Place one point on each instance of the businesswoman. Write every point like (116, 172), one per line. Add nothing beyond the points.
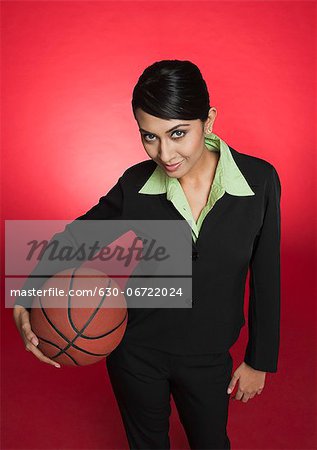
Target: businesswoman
(231, 202)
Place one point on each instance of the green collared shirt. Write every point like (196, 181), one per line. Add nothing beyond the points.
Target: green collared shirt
(228, 178)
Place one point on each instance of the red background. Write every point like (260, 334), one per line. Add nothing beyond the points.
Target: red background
(68, 133)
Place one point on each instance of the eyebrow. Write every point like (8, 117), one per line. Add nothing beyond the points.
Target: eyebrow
(168, 131)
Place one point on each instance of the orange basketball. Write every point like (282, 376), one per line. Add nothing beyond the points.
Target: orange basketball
(77, 330)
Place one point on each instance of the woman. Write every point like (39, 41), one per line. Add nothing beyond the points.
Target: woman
(231, 201)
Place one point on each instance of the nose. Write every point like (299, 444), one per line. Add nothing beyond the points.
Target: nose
(165, 154)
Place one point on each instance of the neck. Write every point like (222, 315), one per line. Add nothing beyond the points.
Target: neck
(203, 171)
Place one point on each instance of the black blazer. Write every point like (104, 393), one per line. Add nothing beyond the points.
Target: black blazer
(238, 233)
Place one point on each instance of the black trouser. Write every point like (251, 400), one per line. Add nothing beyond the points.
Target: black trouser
(142, 380)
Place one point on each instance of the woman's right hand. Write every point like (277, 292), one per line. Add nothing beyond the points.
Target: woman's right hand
(22, 320)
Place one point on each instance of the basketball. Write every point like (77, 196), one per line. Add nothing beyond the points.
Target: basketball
(74, 330)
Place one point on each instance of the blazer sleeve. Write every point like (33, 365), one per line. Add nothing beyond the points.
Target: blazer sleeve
(264, 285)
(109, 207)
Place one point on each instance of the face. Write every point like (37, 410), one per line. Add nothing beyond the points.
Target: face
(175, 145)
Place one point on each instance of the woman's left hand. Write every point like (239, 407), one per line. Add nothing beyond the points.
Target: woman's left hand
(251, 382)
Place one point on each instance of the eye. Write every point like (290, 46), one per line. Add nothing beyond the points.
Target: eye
(146, 137)
(179, 131)
(149, 137)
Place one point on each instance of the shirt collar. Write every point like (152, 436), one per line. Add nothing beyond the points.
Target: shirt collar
(228, 175)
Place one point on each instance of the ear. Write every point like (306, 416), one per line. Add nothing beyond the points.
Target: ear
(208, 125)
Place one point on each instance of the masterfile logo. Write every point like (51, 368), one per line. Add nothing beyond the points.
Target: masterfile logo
(153, 257)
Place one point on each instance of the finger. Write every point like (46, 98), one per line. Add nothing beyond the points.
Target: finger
(19, 309)
(245, 398)
(28, 333)
(232, 384)
(259, 391)
(239, 394)
(30, 347)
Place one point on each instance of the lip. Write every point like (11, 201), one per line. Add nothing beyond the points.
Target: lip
(172, 167)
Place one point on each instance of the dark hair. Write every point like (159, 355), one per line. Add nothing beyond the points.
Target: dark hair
(172, 89)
